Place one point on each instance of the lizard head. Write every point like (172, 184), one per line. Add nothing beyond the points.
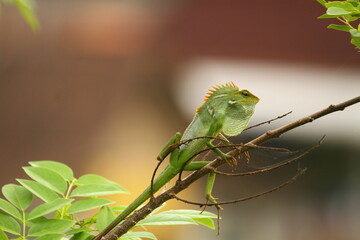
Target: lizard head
(234, 106)
(229, 95)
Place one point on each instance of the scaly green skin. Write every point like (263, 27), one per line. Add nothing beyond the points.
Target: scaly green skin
(226, 109)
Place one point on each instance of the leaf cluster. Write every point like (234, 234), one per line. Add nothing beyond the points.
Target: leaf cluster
(348, 13)
(61, 197)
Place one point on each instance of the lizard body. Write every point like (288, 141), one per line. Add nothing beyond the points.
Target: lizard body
(226, 109)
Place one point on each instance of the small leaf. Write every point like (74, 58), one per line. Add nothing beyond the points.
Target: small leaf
(47, 178)
(356, 41)
(191, 213)
(207, 222)
(26, 8)
(50, 226)
(132, 235)
(203, 218)
(104, 218)
(78, 230)
(95, 190)
(17, 195)
(3, 236)
(322, 2)
(42, 192)
(339, 27)
(118, 208)
(9, 209)
(166, 219)
(8, 224)
(62, 169)
(82, 236)
(51, 236)
(46, 208)
(341, 4)
(87, 204)
(90, 179)
(336, 11)
(355, 33)
(324, 16)
(36, 220)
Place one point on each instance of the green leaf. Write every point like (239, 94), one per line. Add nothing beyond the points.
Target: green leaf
(46, 208)
(9, 209)
(166, 219)
(104, 218)
(42, 192)
(132, 235)
(17, 195)
(62, 169)
(90, 179)
(78, 230)
(355, 33)
(352, 18)
(191, 213)
(322, 2)
(50, 226)
(26, 8)
(3, 236)
(356, 41)
(82, 236)
(51, 236)
(95, 190)
(325, 16)
(36, 220)
(341, 4)
(207, 222)
(118, 208)
(344, 28)
(47, 178)
(336, 11)
(8, 224)
(204, 218)
(87, 204)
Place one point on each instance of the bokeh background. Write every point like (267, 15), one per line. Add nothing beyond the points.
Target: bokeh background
(105, 84)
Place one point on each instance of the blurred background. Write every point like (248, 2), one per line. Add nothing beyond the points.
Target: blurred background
(104, 84)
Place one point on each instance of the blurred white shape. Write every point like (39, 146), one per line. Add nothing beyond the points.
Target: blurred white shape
(281, 87)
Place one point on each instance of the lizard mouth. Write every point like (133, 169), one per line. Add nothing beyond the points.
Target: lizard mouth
(250, 101)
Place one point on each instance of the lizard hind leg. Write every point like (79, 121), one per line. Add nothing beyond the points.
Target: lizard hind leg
(208, 191)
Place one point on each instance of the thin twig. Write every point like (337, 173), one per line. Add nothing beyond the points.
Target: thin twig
(234, 154)
(293, 179)
(268, 122)
(274, 166)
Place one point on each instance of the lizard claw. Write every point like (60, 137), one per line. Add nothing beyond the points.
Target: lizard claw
(211, 199)
(231, 160)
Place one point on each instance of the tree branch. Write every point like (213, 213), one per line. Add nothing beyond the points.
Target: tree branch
(155, 202)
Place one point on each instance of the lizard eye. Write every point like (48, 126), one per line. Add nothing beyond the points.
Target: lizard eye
(245, 94)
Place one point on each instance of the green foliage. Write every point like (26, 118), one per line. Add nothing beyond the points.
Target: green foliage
(27, 11)
(63, 196)
(348, 13)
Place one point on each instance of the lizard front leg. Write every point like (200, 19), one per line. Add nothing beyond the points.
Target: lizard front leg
(228, 158)
(169, 147)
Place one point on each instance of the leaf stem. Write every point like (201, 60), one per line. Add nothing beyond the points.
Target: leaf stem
(23, 225)
(67, 195)
(345, 21)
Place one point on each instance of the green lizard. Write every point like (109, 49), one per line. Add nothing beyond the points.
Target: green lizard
(226, 110)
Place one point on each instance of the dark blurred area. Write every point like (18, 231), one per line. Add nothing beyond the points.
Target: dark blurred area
(101, 87)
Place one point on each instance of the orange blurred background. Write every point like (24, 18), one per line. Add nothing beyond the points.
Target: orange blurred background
(105, 84)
